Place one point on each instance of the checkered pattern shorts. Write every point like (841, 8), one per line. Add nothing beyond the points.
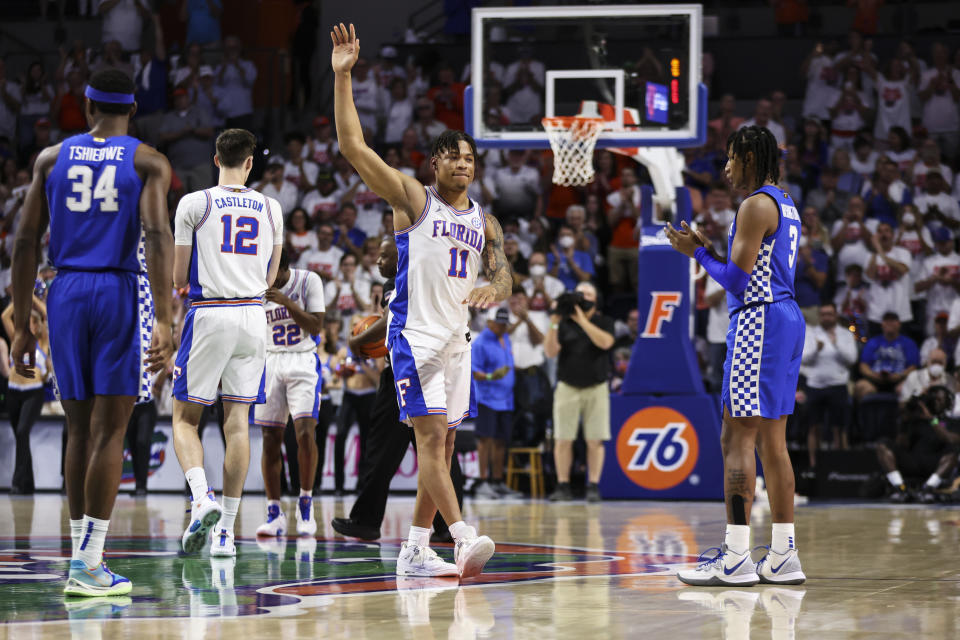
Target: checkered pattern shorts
(764, 346)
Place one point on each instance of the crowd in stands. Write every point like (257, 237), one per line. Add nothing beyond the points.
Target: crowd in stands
(870, 158)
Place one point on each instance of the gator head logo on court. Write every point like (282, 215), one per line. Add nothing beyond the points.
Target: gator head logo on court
(657, 448)
(662, 306)
(282, 578)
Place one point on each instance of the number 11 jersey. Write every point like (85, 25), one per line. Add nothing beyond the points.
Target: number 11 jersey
(233, 231)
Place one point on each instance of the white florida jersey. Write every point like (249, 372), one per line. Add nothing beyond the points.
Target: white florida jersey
(304, 288)
(233, 231)
(438, 265)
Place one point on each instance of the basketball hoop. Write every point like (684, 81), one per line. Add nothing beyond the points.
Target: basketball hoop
(572, 139)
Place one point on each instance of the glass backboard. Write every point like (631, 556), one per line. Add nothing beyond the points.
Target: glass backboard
(531, 62)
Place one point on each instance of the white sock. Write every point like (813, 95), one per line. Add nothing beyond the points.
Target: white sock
(230, 508)
(934, 480)
(737, 538)
(461, 529)
(76, 531)
(895, 478)
(418, 536)
(94, 533)
(306, 493)
(197, 480)
(782, 539)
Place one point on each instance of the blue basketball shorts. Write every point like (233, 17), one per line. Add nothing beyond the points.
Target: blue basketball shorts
(95, 335)
(432, 381)
(764, 347)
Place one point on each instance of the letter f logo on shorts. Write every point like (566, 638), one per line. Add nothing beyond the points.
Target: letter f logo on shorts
(661, 310)
(402, 386)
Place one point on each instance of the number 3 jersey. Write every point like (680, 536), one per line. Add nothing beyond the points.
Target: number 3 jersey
(438, 264)
(284, 335)
(233, 231)
(774, 272)
(93, 227)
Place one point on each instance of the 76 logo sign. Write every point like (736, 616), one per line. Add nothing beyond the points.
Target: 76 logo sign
(660, 448)
(657, 448)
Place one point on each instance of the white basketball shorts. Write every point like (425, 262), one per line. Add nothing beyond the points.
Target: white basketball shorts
(294, 381)
(432, 382)
(221, 343)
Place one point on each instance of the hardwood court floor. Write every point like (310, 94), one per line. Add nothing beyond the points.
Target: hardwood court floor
(561, 571)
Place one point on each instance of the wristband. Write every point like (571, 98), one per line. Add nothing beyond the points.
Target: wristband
(728, 275)
(489, 376)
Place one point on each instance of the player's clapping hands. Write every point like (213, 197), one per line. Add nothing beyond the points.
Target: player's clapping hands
(686, 240)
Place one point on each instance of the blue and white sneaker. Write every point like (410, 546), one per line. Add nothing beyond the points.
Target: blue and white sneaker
(276, 524)
(726, 569)
(205, 513)
(221, 544)
(306, 525)
(99, 581)
(780, 568)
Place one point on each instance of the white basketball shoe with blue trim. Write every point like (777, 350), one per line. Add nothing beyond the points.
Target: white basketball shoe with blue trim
(221, 544)
(423, 562)
(306, 525)
(781, 568)
(725, 569)
(276, 524)
(205, 513)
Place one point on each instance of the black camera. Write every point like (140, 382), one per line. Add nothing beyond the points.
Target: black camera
(567, 302)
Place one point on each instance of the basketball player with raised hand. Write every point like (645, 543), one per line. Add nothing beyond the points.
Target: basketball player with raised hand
(295, 309)
(100, 192)
(443, 241)
(228, 243)
(764, 346)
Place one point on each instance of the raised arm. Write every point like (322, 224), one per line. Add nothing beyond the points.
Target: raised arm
(405, 194)
(34, 217)
(158, 243)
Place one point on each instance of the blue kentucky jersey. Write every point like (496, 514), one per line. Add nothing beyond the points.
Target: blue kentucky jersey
(773, 273)
(93, 194)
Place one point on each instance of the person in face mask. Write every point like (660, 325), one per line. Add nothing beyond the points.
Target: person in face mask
(933, 375)
(848, 237)
(568, 264)
(541, 287)
(940, 277)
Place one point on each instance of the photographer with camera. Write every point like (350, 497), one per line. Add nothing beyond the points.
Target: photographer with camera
(582, 338)
(924, 443)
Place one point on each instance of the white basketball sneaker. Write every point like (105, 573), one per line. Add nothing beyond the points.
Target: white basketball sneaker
(423, 562)
(471, 553)
(306, 525)
(276, 524)
(204, 515)
(222, 545)
(781, 568)
(726, 569)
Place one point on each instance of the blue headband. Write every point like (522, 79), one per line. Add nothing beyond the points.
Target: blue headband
(105, 96)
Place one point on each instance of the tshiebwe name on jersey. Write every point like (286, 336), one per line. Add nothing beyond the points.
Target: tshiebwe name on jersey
(96, 154)
(459, 232)
(238, 201)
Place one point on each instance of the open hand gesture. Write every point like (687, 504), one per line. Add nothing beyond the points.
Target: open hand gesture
(346, 48)
(686, 240)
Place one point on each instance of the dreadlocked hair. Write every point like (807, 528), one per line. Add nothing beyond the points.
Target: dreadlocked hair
(766, 155)
(449, 140)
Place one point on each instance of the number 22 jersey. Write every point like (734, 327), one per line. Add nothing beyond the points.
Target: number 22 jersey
(284, 335)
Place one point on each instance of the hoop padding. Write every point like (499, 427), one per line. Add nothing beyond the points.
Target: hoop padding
(573, 140)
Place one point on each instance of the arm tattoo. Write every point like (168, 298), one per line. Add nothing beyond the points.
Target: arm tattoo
(495, 265)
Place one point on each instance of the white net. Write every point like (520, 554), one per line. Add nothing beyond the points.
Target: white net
(572, 140)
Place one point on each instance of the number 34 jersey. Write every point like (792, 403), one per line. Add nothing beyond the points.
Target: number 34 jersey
(284, 335)
(772, 279)
(93, 193)
(232, 230)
